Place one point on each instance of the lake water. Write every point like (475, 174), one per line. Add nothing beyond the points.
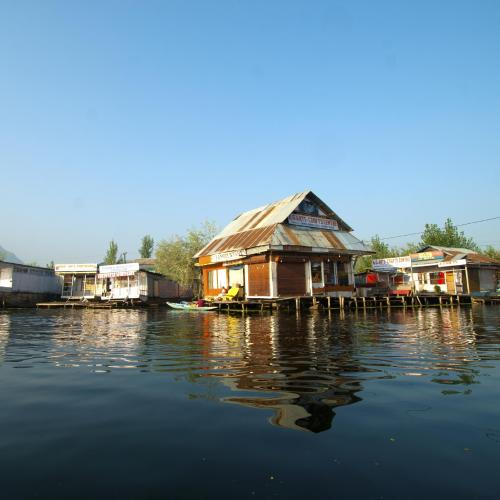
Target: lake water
(162, 404)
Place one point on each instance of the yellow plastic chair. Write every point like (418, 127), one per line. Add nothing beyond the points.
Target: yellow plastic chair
(232, 293)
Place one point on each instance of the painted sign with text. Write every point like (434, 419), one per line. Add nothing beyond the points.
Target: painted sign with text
(225, 256)
(310, 221)
(391, 263)
(75, 268)
(427, 256)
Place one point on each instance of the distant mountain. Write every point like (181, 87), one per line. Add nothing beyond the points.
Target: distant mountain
(9, 256)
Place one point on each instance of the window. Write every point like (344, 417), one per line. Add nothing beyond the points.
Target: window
(308, 208)
(217, 278)
(330, 273)
(236, 276)
(90, 284)
(221, 278)
(343, 269)
(400, 279)
(436, 278)
(316, 273)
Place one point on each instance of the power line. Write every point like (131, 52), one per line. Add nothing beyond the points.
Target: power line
(457, 225)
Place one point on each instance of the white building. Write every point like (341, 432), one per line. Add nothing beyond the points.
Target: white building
(130, 281)
(21, 284)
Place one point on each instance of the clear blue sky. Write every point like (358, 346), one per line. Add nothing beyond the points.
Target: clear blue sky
(122, 118)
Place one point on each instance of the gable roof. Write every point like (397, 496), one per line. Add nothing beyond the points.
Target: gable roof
(277, 213)
(266, 226)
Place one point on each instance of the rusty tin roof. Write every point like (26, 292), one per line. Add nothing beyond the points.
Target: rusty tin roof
(266, 226)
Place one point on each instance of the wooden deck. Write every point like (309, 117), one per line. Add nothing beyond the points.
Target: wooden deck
(352, 303)
(298, 303)
(90, 304)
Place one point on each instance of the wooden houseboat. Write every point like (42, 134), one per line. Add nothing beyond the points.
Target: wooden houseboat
(294, 247)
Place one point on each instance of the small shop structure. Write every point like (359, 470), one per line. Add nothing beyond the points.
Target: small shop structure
(294, 247)
(131, 281)
(439, 269)
(118, 282)
(23, 285)
(79, 281)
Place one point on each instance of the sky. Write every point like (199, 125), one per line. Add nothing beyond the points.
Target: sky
(125, 118)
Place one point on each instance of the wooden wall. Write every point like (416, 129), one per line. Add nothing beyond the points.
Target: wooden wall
(258, 280)
(291, 278)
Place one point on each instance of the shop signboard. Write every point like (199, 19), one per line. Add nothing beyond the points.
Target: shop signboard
(225, 256)
(453, 263)
(115, 270)
(75, 268)
(391, 263)
(310, 221)
(426, 258)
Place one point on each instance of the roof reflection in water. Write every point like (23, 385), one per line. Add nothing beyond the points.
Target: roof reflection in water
(303, 367)
(286, 364)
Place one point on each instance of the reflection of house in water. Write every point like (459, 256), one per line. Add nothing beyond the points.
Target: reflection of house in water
(4, 334)
(100, 340)
(286, 362)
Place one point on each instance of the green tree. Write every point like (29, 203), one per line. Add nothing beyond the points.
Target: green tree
(492, 252)
(111, 256)
(448, 236)
(51, 265)
(174, 256)
(147, 245)
(381, 249)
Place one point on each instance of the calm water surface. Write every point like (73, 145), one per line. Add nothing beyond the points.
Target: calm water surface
(175, 405)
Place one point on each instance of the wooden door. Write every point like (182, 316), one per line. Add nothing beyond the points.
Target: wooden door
(258, 280)
(291, 279)
(450, 282)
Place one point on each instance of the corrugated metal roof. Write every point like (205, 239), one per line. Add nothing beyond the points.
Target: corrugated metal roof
(289, 236)
(447, 249)
(264, 217)
(239, 241)
(268, 215)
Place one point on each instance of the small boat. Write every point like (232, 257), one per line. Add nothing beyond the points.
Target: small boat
(186, 306)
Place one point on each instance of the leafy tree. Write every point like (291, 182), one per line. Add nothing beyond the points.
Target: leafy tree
(147, 245)
(51, 265)
(2, 255)
(449, 236)
(492, 252)
(111, 256)
(174, 256)
(381, 249)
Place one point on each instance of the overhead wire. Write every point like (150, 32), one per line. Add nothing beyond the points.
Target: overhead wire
(456, 225)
